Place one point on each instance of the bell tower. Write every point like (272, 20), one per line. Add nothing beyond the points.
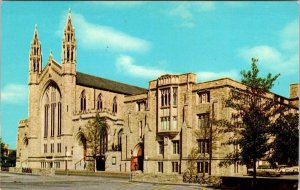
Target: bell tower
(35, 58)
(69, 48)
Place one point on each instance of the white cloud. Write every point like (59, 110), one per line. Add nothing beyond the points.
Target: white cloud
(203, 76)
(126, 64)
(264, 53)
(14, 94)
(98, 37)
(290, 36)
(205, 6)
(283, 59)
(182, 10)
(271, 58)
(185, 11)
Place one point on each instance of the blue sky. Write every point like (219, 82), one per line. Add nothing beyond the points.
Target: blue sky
(135, 42)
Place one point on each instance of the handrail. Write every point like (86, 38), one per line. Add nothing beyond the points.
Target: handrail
(79, 162)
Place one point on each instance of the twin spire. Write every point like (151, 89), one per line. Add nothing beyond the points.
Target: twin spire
(68, 48)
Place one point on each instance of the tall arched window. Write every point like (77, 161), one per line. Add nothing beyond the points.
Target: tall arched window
(51, 103)
(99, 102)
(115, 105)
(82, 101)
(46, 113)
(103, 142)
(120, 139)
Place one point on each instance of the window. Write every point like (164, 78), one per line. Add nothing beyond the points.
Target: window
(45, 148)
(140, 106)
(203, 145)
(165, 97)
(165, 123)
(99, 102)
(46, 113)
(161, 147)
(57, 164)
(58, 147)
(202, 167)
(82, 101)
(203, 121)
(52, 121)
(115, 105)
(175, 96)
(59, 120)
(161, 167)
(204, 97)
(103, 142)
(114, 162)
(175, 166)
(120, 139)
(175, 147)
(140, 129)
(52, 147)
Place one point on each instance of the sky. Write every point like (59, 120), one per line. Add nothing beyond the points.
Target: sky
(135, 42)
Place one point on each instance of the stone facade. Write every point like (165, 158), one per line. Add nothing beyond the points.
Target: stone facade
(154, 129)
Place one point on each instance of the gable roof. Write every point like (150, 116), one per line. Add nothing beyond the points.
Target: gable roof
(105, 84)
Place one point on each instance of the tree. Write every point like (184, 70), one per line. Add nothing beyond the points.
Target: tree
(8, 157)
(90, 137)
(285, 146)
(253, 116)
(3, 153)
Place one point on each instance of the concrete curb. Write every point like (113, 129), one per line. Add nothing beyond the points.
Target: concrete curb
(165, 183)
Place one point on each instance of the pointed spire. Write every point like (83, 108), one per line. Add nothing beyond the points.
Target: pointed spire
(69, 21)
(35, 35)
(50, 55)
(69, 13)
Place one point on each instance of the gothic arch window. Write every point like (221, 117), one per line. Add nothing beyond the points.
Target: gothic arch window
(120, 139)
(46, 115)
(99, 103)
(115, 105)
(83, 101)
(103, 142)
(51, 110)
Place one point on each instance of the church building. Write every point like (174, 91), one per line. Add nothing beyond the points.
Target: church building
(152, 130)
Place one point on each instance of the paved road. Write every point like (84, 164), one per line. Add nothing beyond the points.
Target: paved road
(13, 181)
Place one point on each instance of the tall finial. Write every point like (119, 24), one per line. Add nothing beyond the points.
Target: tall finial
(51, 55)
(35, 34)
(69, 13)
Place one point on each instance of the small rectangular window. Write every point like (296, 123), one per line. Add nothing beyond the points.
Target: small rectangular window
(114, 162)
(203, 145)
(204, 97)
(203, 121)
(175, 95)
(175, 147)
(160, 147)
(202, 167)
(161, 167)
(175, 166)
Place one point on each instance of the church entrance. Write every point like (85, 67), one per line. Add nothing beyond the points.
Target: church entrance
(137, 159)
(100, 163)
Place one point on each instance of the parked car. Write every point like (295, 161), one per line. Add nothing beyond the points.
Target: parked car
(283, 169)
(288, 170)
(264, 170)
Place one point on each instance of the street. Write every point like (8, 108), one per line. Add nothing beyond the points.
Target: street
(14, 181)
